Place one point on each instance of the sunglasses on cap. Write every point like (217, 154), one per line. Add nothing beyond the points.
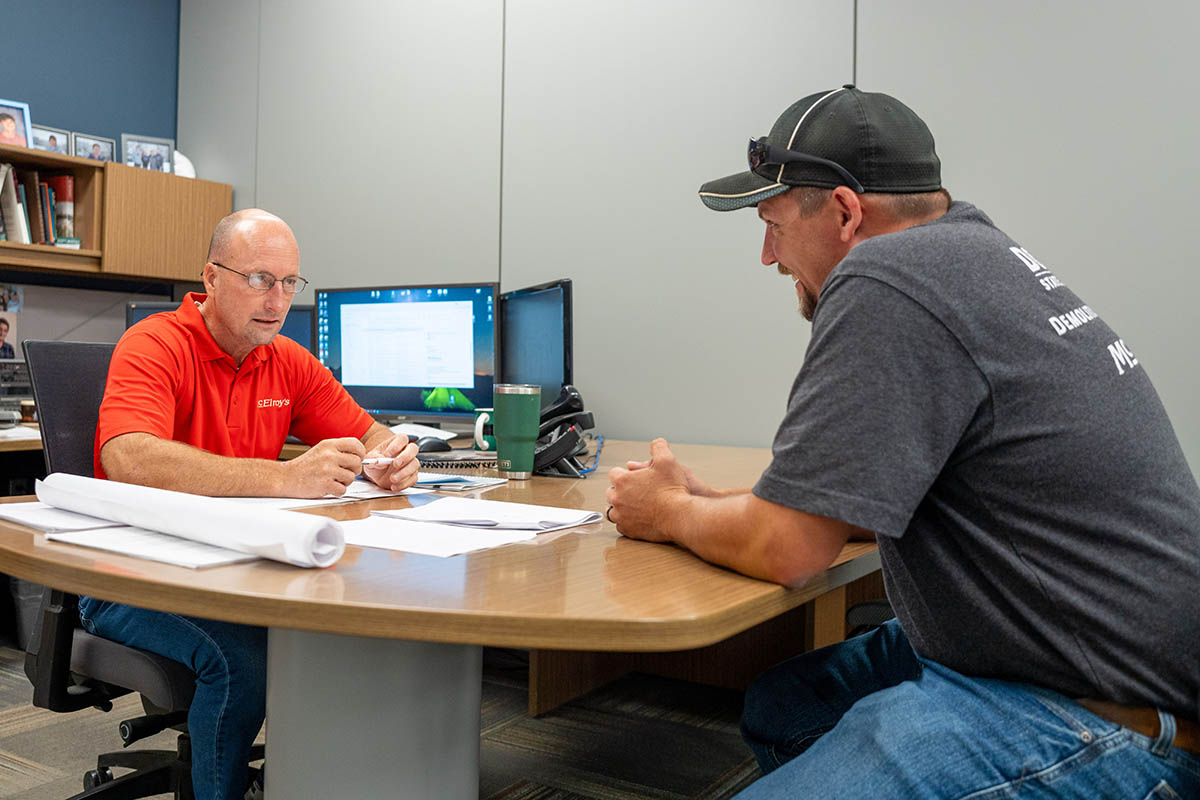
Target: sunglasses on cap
(760, 153)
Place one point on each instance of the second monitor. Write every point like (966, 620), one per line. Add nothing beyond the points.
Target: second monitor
(535, 337)
(297, 325)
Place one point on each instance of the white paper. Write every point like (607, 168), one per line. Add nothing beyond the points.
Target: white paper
(283, 502)
(495, 515)
(50, 519)
(458, 482)
(427, 538)
(19, 432)
(301, 539)
(364, 489)
(359, 490)
(420, 431)
(153, 545)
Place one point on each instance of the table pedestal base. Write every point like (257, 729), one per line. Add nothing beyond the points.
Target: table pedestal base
(350, 716)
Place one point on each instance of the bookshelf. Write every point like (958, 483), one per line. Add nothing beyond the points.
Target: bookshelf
(131, 222)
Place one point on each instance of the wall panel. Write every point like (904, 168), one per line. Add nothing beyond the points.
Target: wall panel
(218, 92)
(379, 137)
(615, 113)
(1073, 127)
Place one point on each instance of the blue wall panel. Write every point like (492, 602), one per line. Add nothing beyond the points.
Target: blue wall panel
(104, 68)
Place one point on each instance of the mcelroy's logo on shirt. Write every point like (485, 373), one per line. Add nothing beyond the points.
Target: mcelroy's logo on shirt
(268, 402)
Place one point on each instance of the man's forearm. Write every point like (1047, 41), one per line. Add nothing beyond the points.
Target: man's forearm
(754, 536)
(147, 460)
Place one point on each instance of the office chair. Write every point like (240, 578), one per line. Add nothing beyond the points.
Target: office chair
(70, 668)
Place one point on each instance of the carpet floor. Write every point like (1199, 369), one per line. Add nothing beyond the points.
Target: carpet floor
(638, 737)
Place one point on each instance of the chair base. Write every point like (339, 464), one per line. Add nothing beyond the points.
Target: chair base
(154, 772)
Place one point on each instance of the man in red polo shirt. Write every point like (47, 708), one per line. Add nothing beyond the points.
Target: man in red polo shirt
(201, 400)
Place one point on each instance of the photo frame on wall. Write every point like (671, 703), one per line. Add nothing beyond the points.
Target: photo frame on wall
(52, 140)
(148, 152)
(97, 148)
(16, 128)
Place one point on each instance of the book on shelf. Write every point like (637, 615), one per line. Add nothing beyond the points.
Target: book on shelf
(47, 211)
(33, 206)
(67, 242)
(63, 187)
(10, 206)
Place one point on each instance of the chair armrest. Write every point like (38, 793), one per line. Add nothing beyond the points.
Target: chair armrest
(48, 657)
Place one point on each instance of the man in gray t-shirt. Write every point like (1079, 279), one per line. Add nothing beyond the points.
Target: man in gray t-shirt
(1038, 525)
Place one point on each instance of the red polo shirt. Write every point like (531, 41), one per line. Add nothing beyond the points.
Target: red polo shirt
(169, 378)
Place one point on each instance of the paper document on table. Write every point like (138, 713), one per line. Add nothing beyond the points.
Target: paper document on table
(363, 489)
(495, 514)
(283, 502)
(421, 431)
(19, 432)
(51, 519)
(427, 538)
(360, 489)
(446, 482)
(301, 539)
(153, 545)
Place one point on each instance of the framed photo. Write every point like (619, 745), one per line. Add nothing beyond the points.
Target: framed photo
(147, 152)
(9, 342)
(97, 148)
(15, 127)
(52, 140)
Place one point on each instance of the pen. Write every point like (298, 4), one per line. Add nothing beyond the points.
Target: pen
(382, 460)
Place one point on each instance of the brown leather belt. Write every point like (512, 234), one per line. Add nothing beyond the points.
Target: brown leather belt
(1144, 720)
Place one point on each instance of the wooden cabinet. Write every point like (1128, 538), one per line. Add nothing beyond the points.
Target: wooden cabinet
(131, 222)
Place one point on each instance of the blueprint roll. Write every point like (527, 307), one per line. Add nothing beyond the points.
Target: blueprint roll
(301, 539)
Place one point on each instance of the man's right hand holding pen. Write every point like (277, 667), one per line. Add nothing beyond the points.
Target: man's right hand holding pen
(329, 466)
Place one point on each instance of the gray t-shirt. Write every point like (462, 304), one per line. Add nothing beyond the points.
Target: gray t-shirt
(1037, 520)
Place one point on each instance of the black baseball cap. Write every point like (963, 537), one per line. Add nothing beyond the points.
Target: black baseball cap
(868, 141)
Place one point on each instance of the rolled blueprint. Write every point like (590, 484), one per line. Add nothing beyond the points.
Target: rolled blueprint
(301, 539)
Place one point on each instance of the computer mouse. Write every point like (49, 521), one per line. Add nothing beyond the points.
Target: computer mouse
(432, 444)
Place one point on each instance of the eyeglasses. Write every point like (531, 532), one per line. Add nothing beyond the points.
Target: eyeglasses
(761, 153)
(265, 281)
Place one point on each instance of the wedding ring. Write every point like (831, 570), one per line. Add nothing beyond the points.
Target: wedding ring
(606, 515)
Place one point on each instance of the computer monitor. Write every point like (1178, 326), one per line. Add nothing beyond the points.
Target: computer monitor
(297, 326)
(425, 351)
(535, 337)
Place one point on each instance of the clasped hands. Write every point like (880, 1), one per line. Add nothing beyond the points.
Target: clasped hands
(331, 465)
(645, 497)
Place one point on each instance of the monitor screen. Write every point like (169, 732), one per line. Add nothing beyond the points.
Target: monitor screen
(297, 326)
(411, 351)
(535, 336)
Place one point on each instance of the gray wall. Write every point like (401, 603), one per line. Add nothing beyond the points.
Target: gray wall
(614, 114)
(534, 139)
(1077, 134)
(81, 315)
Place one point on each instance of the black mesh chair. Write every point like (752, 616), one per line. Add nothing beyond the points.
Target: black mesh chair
(70, 668)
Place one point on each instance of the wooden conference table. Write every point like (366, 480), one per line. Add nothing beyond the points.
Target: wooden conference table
(374, 664)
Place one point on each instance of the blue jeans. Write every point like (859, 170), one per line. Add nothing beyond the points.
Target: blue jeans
(230, 664)
(870, 718)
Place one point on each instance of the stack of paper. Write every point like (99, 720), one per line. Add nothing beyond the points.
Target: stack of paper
(453, 525)
(493, 514)
(426, 538)
(20, 432)
(446, 482)
(50, 519)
